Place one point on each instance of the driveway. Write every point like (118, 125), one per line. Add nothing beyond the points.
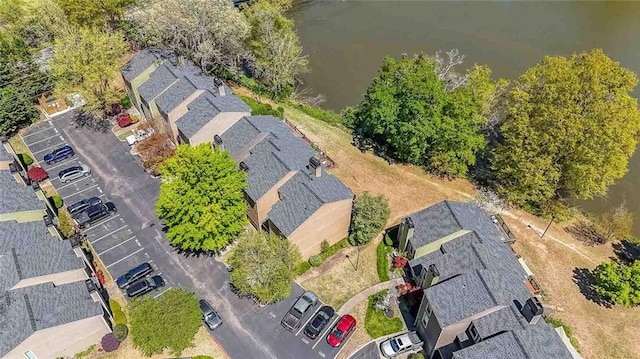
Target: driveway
(135, 235)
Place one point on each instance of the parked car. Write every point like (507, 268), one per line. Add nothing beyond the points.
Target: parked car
(341, 330)
(144, 285)
(319, 321)
(139, 135)
(209, 315)
(291, 320)
(59, 154)
(134, 274)
(124, 120)
(95, 213)
(71, 173)
(82, 205)
(400, 344)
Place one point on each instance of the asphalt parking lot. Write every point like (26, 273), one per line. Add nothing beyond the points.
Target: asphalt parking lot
(114, 240)
(134, 235)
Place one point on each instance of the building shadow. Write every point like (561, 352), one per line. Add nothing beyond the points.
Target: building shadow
(584, 279)
(409, 305)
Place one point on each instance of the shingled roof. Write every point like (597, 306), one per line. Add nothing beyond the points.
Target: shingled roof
(27, 250)
(15, 197)
(4, 155)
(139, 63)
(26, 310)
(204, 108)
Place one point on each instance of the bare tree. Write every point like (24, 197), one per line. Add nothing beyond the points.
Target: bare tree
(489, 201)
(445, 69)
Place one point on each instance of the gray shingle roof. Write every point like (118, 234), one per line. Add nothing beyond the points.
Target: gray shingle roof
(26, 310)
(187, 85)
(447, 217)
(500, 347)
(159, 80)
(505, 319)
(15, 197)
(4, 155)
(204, 108)
(27, 250)
(139, 63)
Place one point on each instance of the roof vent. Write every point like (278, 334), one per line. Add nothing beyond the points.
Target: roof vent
(316, 165)
(217, 82)
(35, 185)
(4, 139)
(243, 166)
(13, 167)
(532, 310)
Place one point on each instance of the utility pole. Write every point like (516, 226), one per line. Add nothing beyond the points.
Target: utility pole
(548, 225)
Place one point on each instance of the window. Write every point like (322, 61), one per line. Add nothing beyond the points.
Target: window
(474, 333)
(30, 355)
(427, 313)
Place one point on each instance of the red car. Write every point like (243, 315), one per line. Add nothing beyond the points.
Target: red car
(124, 120)
(341, 331)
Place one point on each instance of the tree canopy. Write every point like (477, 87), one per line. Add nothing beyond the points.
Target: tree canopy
(201, 198)
(95, 13)
(618, 282)
(86, 60)
(420, 111)
(170, 321)
(370, 215)
(263, 266)
(275, 46)
(570, 128)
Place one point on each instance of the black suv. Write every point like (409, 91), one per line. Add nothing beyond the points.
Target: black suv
(95, 213)
(144, 285)
(319, 321)
(134, 274)
(80, 206)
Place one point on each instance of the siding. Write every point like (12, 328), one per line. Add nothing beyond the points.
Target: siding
(56, 278)
(216, 126)
(178, 112)
(435, 245)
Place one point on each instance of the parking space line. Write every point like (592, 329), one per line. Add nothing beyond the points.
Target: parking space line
(310, 317)
(94, 226)
(46, 139)
(345, 341)
(108, 234)
(73, 182)
(117, 245)
(86, 189)
(121, 259)
(33, 133)
(325, 331)
(161, 293)
(52, 147)
(64, 162)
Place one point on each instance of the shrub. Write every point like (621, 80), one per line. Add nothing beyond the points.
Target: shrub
(85, 353)
(121, 332)
(321, 114)
(302, 267)
(324, 246)
(315, 260)
(382, 263)
(555, 322)
(619, 283)
(376, 322)
(259, 108)
(26, 159)
(110, 342)
(416, 356)
(388, 241)
(370, 215)
(135, 119)
(202, 357)
(126, 102)
(65, 224)
(118, 315)
(57, 201)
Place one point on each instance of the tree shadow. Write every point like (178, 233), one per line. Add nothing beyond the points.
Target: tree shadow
(626, 252)
(92, 122)
(585, 232)
(584, 279)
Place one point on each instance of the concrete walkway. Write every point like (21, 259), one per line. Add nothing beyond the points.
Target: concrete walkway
(356, 299)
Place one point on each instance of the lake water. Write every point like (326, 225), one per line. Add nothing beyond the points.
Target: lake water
(347, 40)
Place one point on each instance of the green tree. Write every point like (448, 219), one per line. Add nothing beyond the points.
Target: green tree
(95, 13)
(275, 46)
(570, 128)
(263, 266)
(86, 61)
(212, 33)
(615, 224)
(170, 321)
(36, 22)
(201, 198)
(618, 282)
(420, 111)
(370, 215)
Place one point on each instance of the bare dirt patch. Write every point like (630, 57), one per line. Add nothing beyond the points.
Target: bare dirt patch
(360, 336)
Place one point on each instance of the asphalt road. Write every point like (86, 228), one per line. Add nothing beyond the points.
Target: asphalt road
(134, 235)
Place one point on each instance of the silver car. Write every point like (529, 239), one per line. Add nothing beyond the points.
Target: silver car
(71, 173)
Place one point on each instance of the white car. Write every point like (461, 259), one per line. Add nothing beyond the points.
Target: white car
(71, 173)
(403, 343)
(139, 135)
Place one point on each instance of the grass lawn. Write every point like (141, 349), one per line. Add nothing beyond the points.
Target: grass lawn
(555, 259)
(123, 136)
(376, 322)
(18, 145)
(382, 261)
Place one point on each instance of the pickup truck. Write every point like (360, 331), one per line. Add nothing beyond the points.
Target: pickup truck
(400, 344)
(291, 321)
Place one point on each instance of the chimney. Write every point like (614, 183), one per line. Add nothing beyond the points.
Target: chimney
(221, 91)
(532, 310)
(217, 142)
(431, 277)
(243, 166)
(314, 164)
(405, 232)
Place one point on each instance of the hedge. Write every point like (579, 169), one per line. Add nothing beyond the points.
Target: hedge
(382, 261)
(121, 332)
(327, 251)
(26, 159)
(259, 108)
(57, 201)
(302, 267)
(118, 315)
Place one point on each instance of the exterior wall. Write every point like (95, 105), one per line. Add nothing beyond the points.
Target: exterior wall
(264, 204)
(25, 216)
(330, 222)
(62, 341)
(139, 80)
(430, 332)
(450, 332)
(175, 114)
(216, 126)
(252, 213)
(435, 245)
(56, 278)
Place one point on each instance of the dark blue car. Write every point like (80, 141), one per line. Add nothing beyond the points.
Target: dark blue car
(59, 154)
(134, 274)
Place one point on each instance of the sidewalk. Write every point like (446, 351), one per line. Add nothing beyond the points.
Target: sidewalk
(356, 299)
